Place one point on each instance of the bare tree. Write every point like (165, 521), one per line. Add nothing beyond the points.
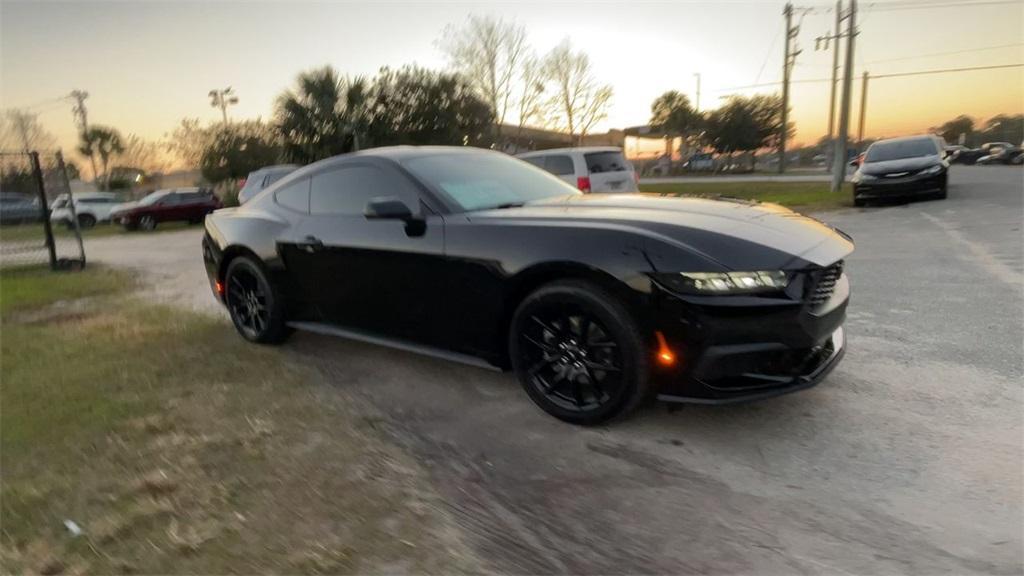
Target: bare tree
(143, 155)
(577, 102)
(487, 52)
(530, 104)
(21, 130)
(188, 141)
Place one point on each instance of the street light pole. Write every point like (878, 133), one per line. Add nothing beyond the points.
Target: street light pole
(788, 13)
(221, 98)
(863, 108)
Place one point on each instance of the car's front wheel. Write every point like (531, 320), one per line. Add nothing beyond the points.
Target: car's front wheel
(147, 223)
(86, 220)
(256, 308)
(579, 353)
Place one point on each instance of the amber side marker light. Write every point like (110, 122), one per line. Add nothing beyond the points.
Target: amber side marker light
(665, 355)
(219, 288)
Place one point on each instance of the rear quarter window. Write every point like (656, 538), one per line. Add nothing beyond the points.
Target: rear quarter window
(559, 165)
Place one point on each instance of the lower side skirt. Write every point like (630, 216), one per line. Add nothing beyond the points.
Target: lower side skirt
(331, 330)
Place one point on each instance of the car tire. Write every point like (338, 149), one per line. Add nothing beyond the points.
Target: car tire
(86, 220)
(560, 338)
(147, 223)
(255, 305)
(860, 202)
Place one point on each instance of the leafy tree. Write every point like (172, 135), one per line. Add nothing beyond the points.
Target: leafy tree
(311, 118)
(1004, 128)
(417, 106)
(673, 114)
(237, 149)
(951, 131)
(578, 102)
(104, 141)
(745, 124)
(143, 155)
(487, 52)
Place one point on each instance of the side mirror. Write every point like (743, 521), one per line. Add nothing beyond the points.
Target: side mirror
(387, 208)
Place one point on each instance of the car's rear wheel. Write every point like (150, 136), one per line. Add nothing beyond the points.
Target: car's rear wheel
(147, 223)
(579, 353)
(86, 220)
(255, 306)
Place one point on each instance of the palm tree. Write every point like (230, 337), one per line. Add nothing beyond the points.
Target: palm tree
(310, 117)
(324, 116)
(103, 141)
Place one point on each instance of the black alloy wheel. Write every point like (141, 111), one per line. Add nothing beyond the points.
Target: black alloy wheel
(578, 353)
(254, 306)
(147, 222)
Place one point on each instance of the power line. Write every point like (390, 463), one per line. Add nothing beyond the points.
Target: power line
(952, 52)
(894, 75)
(944, 70)
(891, 7)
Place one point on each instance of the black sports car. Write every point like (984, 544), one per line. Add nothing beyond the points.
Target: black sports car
(594, 300)
(902, 168)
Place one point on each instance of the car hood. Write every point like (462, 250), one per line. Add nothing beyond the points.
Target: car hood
(901, 165)
(735, 234)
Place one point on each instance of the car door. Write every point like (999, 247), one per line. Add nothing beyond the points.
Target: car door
(561, 165)
(167, 208)
(376, 276)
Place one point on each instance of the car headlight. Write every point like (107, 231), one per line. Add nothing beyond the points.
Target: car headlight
(720, 283)
(864, 177)
(933, 170)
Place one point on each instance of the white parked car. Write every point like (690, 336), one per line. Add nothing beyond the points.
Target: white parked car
(260, 179)
(91, 207)
(597, 169)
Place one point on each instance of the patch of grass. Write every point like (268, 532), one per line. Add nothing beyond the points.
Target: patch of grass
(806, 195)
(26, 288)
(177, 447)
(32, 232)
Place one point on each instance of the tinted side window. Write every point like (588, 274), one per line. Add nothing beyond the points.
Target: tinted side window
(537, 161)
(559, 165)
(170, 200)
(271, 178)
(346, 190)
(294, 196)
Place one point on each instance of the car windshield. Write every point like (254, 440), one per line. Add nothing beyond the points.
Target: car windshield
(900, 149)
(486, 180)
(153, 198)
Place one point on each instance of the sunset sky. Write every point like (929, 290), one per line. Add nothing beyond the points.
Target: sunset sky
(148, 65)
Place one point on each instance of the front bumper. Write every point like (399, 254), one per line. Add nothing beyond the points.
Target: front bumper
(813, 367)
(880, 188)
(735, 350)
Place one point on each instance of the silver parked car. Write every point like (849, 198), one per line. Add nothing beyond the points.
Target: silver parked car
(262, 178)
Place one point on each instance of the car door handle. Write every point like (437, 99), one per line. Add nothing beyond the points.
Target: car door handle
(310, 244)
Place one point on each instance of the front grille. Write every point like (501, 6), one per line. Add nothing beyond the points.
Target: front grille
(825, 284)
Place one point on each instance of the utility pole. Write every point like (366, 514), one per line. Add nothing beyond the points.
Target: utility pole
(839, 162)
(83, 122)
(222, 99)
(835, 69)
(697, 103)
(790, 56)
(863, 108)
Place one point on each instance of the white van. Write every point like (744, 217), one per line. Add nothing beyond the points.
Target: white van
(597, 169)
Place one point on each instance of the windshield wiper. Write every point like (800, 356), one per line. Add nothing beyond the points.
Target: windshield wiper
(509, 205)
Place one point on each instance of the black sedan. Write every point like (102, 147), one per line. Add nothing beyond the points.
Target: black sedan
(901, 168)
(595, 301)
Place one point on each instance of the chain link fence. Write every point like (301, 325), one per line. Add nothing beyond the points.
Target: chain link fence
(30, 183)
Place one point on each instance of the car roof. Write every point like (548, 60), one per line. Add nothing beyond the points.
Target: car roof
(575, 149)
(906, 138)
(275, 168)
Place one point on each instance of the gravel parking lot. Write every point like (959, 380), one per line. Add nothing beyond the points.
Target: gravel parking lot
(907, 459)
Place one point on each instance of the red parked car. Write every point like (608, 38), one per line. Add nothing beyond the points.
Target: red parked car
(179, 204)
